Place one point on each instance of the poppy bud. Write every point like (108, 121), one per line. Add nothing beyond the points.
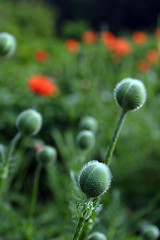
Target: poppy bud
(7, 44)
(95, 178)
(130, 94)
(29, 122)
(85, 139)
(97, 236)
(89, 123)
(150, 232)
(46, 155)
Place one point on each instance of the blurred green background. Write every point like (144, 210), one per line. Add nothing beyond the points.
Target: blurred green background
(86, 75)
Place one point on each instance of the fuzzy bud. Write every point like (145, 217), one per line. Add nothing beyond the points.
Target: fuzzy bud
(95, 178)
(7, 44)
(89, 123)
(85, 139)
(150, 232)
(29, 122)
(97, 236)
(46, 155)
(130, 94)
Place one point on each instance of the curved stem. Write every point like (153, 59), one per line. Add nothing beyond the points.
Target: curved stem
(4, 170)
(34, 192)
(115, 137)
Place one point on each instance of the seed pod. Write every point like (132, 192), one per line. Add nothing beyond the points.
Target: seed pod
(7, 44)
(130, 94)
(95, 178)
(29, 122)
(89, 123)
(46, 155)
(85, 139)
(97, 236)
(150, 232)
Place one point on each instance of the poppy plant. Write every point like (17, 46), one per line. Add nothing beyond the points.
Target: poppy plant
(157, 33)
(89, 37)
(72, 45)
(139, 38)
(41, 56)
(43, 86)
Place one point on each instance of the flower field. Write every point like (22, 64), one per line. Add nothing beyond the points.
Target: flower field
(60, 130)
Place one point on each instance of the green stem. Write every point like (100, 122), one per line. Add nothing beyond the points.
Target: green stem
(115, 137)
(34, 192)
(79, 228)
(4, 173)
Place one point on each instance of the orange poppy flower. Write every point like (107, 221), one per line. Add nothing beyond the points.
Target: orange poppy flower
(89, 37)
(152, 56)
(43, 86)
(144, 66)
(139, 38)
(72, 45)
(120, 46)
(41, 56)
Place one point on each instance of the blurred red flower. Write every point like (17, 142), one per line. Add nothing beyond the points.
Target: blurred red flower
(72, 45)
(107, 38)
(41, 56)
(144, 66)
(139, 38)
(152, 56)
(119, 46)
(89, 37)
(43, 86)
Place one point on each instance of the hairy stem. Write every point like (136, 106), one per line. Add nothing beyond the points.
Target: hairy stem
(79, 228)
(114, 138)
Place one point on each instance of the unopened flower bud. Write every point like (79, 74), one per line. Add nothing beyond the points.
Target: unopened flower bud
(46, 155)
(150, 232)
(7, 44)
(130, 94)
(95, 178)
(89, 123)
(29, 122)
(85, 139)
(97, 236)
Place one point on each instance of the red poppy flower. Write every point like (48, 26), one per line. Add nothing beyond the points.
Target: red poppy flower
(152, 56)
(41, 56)
(139, 38)
(89, 37)
(119, 46)
(144, 66)
(43, 86)
(72, 45)
(107, 38)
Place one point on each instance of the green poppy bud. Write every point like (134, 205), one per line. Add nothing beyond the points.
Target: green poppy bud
(29, 122)
(7, 44)
(85, 139)
(95, 178)
(46, 154)
(89, 123)
(97, 236)
(150, 232)
(130, 94)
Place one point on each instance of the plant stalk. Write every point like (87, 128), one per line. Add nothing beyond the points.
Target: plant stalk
(34, 192)
(114, 138)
